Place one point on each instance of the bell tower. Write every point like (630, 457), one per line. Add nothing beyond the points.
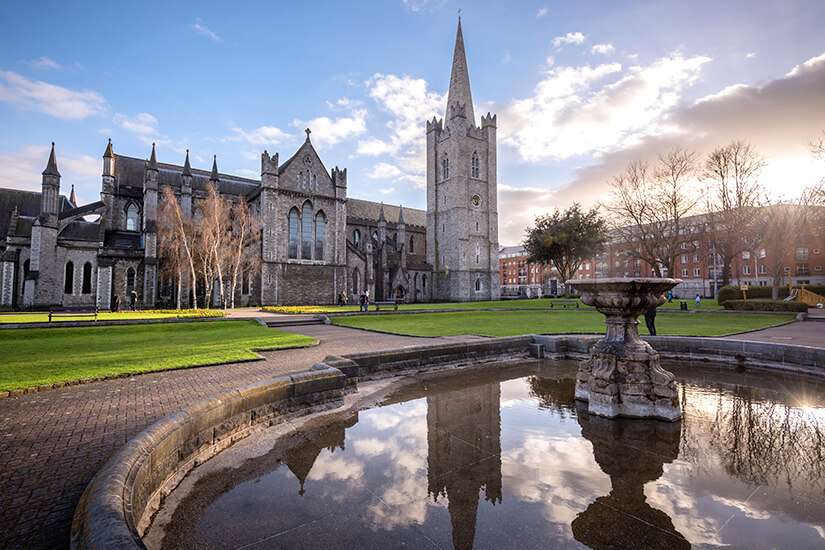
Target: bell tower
(462, 208)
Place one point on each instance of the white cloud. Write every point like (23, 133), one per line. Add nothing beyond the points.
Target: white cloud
(383, 170)
(813, 64)
(541, 13)
(44, 63)
(569, 38)
(263, 135)
(603, 49)
(142, 124)
(328, 131)
(21, 170)
(421, 5)
(57, 101)
(200, 28)
(750, 55)
(387, 191)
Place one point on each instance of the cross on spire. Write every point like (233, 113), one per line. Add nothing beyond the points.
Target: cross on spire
(308, 131)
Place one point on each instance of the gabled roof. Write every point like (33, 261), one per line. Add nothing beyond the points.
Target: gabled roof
(369, 210)
(80, 230)
(27, 204)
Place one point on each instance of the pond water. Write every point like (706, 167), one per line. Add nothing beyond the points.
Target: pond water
(505, 458)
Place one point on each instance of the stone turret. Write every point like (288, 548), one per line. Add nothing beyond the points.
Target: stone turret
(107, 190)
(49, 201)
(150, 216)
(186, 187)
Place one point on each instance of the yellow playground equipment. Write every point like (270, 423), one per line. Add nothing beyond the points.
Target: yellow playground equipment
(801, 295)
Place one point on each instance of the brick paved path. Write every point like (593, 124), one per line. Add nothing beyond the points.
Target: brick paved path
(52, 442)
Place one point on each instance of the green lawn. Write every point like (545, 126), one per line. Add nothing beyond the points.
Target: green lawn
(505, 304)
(46, 355)
(39, 317)
(511, 323)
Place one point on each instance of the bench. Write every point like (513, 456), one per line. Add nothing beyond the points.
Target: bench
(564, 303)
(73, 311)
(379, 305)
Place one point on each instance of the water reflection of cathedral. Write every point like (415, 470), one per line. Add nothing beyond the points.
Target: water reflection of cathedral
(464, 454)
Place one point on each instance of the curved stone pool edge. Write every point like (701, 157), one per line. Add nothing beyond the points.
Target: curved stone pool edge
(118, 504)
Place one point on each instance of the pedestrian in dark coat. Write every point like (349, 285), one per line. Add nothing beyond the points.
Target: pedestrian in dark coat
(650, 321)
(133, 300)
(362, 301)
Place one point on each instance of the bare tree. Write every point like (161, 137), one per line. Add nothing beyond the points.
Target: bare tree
(243, 244)
(649, 207)
(779, 223)
(213, 231)
(733, 195)
(177, 234)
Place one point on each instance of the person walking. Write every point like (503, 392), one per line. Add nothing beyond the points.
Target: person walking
(650, 321)
(133, 300)
(669, 296)
(362, 299)
(367, 301)
(698, 302)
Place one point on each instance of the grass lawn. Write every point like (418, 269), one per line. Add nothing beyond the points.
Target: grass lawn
(506, 304)
(512, 323)
(108, 316)
(46, 355)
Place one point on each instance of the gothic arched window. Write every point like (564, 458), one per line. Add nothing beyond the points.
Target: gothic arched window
(412, 248)
(375, 237)
(320, 225)
(356, 237)
(306, 231)
(314, 183)
(132, 217)
(301, 180)
(445, 167)
(478, 284)
(424, 283)
(293, 233)
(87, 278)
(130, 280)
(478, 254)
(474, 165)
(68, 279)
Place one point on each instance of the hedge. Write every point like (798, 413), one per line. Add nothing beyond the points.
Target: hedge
(765, 305)
(733, 293)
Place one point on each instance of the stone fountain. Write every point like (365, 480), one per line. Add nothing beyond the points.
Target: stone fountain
(622, 376)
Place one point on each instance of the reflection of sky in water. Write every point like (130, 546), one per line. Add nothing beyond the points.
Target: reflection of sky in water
(502, 460)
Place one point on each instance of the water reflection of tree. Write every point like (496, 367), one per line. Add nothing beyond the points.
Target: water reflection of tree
(759, 440)
(553, 393)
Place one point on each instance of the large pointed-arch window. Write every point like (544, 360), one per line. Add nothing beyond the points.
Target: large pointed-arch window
(132, 217)
(412, 248)
(68, 279)
(474, 166)
(314, 182)
(320, 237)
(130, 280)
(306, 231)
(478, 284)
(445, 168)
(293, 233)
(301, 180)
(87, 278)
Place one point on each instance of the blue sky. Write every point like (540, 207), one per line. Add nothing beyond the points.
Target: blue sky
(580, 88)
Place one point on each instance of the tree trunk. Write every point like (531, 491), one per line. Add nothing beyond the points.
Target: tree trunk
(180, 287)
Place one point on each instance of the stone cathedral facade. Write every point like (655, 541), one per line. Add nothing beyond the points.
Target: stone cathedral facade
(315, 242)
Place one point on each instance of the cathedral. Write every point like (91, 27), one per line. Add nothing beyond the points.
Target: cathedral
(315, 241)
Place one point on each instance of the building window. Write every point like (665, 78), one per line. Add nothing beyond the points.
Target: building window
(818, 268)
(130, 280)
(816, 251)
(802, 269)
(306, 231)
(424, 283)
(356, 237)
(68, 279)
(801, 253)
(87, 278)
(684, 273)
(412, 247)
(445, 168)
(695, 258)
(375, 237)
(478, 284)
(474, 171)
(132, 217)
(746, 255)
(697, 272)
(293, 234)
(320, 225)
(301, 180)
(684, 259)
(746, 270)
(762, 269)
(762, 253)
(245, 282)
(683, 246)
(314, 182)
(478, 254)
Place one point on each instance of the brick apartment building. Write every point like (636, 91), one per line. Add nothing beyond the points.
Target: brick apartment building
(698, 267)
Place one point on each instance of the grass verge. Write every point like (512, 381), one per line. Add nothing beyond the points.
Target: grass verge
(109, 316)
(44, 356)
(512, 323)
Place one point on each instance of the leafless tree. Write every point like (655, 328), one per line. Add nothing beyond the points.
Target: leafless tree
(733, 194)
(243, 244)
(177, 237)
(779, 223)
(649, 206)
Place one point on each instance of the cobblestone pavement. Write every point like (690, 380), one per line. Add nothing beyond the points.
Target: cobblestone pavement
(52, 442)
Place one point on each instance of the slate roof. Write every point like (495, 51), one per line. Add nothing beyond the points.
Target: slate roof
(369, 210)
(80, 230)
(129, 171)
(28, 205)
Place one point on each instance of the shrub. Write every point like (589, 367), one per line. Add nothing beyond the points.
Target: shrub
(765, 305)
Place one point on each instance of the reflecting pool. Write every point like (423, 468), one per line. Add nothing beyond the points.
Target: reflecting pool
(505, 458)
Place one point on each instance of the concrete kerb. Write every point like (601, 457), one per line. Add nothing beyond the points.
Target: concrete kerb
(118, 504)
(115, 322)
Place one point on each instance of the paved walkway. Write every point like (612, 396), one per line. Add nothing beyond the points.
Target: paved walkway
(806, 333)
(52, 442)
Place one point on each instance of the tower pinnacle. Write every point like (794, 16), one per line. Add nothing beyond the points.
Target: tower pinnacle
(460, 79)
(51, 167)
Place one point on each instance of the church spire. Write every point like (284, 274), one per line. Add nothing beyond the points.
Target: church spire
(460, 80)
(187, 169)
(51, 167)
(214, 175)
(153, 160)
(73, 198)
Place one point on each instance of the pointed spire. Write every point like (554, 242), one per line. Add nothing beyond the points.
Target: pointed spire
(153, 160)
(73, 198)
(109, 154)
(187, 169)
(460, 79)
(401, 215)
(381, 217)
(214, 176)
(51, 167)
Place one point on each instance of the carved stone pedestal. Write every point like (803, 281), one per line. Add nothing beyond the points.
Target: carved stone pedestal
(622, 376)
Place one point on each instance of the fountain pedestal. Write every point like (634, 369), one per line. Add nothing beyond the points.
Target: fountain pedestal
(622, 376)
